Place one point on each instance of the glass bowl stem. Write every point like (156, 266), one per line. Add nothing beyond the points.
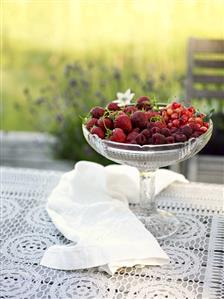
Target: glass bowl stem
(147, 191)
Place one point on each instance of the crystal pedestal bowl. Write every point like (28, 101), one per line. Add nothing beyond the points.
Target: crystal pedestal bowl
(147, 159)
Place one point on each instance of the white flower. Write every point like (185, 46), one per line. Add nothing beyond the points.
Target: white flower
(124, 98)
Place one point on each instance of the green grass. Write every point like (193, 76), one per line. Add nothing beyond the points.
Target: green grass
(147, 39)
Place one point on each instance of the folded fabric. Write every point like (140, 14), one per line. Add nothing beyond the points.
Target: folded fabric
(89, 207)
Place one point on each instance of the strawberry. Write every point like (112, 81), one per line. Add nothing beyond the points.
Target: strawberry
(143, 103)
(105, 123)
(98, 131)
(113, 106)
(138, 119)
(91, 122)
(130, 109)
(118, 135)
(97, 112)
(123, 122)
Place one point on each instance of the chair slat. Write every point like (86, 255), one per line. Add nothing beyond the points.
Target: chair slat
(215, 79)
(207, 94)
(206, 45)
(216, 64)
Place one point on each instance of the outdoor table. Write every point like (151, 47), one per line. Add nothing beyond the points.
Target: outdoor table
(196, 251)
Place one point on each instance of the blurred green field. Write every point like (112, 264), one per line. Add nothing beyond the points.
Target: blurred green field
(144, 38)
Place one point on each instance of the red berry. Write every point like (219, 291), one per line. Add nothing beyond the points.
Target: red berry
(158, 139)
(187, 130)
(90, 123)
(150, 125)
(176, 105)
(123, 122)
(131, 136)
(159, 124)
(197, 127)
(98, 131)
(169, 111)
(203, 129)
(118, 135)
(105, 123)
(147, 133)
(196, 134)
(170, 139)
(155, 130)
(130, 109)
(176, 122)
(113, 106)
(139, 120)
(206, 124)
(191, 109)
(180, 137)
(143, 99)
(174, 115)
(136, 130)
(143, 103)
(97, 112)
(199, 120)
(141, 139)
(184, 119)
(165, 132)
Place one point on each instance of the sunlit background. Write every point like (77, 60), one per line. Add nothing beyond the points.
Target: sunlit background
(61, 57)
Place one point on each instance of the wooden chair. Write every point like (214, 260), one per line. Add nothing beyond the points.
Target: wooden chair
(202, 67)
(205, 81)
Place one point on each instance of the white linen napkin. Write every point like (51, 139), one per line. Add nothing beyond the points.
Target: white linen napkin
(89, 206)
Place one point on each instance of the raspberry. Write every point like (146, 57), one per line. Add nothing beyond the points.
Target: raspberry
(105, 123)
(118, 135)
(98, 131)
(123, 122)
(180, 137)
(97, 112)
(141, 139)
(90, 123)
(150, 125)
(136, 130)
(155, 130)
(146, 133)
(165, 132)
(131, 136)
(187, 130)
(158, 139)
(159, 124)
(138, 119)
(170, 139)
(113, 106)
(196, 134)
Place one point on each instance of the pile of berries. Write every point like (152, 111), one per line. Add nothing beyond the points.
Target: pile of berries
(143, 123)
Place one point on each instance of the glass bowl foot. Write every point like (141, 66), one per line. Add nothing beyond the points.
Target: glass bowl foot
(161, 224)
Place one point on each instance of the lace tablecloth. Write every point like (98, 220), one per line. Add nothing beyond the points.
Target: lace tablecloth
(196, 251)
